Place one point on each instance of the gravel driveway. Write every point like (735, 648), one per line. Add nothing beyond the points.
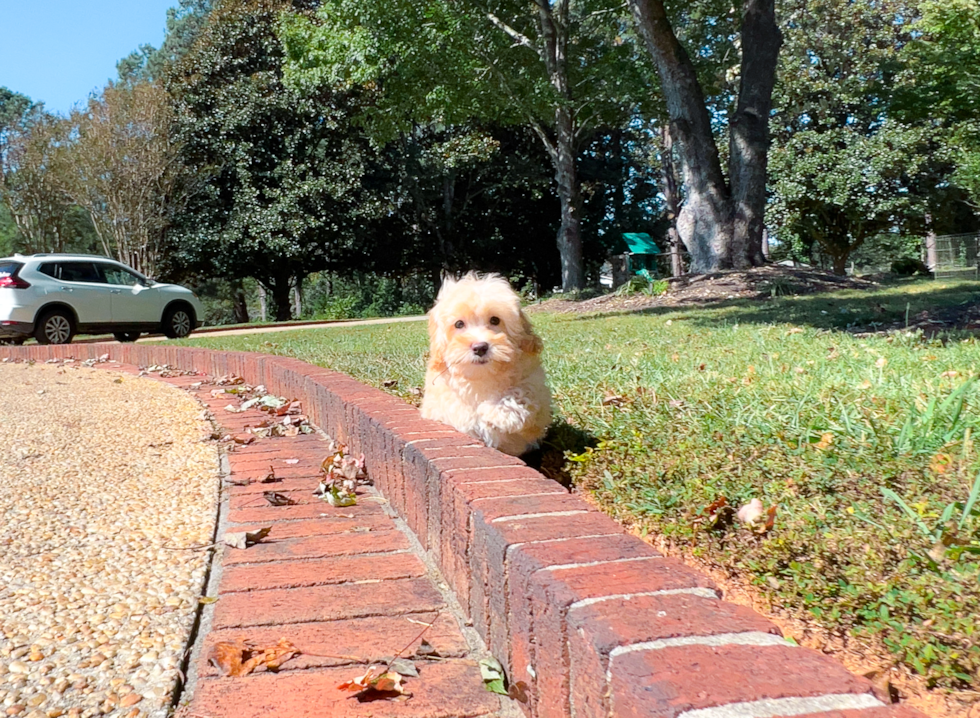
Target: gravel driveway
(106, 481)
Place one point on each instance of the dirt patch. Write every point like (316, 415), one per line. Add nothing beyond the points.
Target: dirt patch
(757, 283)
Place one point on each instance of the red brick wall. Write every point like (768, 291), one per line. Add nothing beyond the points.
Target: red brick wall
(591, 619)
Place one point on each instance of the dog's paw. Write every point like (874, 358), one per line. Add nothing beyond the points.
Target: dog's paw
(506, 415)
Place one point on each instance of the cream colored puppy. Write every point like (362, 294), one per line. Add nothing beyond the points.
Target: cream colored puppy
(484, 376)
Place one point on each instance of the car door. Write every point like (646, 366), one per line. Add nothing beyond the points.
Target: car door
(133, 302)
(83, 288)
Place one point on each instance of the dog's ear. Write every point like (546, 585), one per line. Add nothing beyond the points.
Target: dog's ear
(437, 344)
(530, 343)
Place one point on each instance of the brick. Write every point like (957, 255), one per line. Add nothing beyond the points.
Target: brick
(319, 572)
(448, 689)
(255, 499)
(550, 593)
(887, 711)
(326, 603)
(667, 682)
(321, 527)
(490, 542)
(596, 629)
(333, 643)
(347, 544)
(266, 514)
(451, 527)
(523, 562)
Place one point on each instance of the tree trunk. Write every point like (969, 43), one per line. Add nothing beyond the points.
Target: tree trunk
(280, 297)
(239, 305)
(720, 226)
(839, 264)
(263, 302)
(671, 199)
(298, 298)
(553, 26)
(569, 192)
(749, 130)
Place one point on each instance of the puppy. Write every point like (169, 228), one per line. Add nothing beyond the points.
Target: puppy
(484, 376)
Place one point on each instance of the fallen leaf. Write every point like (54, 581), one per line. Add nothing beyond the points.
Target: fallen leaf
(277, 499)
(518, 692)
(245, 539)
(426, 650)
(493, 676)
(377, 683)
(404, 666)
(241, 658)
(205, 600)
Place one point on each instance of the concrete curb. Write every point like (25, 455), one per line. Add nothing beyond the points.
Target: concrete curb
(591, 619)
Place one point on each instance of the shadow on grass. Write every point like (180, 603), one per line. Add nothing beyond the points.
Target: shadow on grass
(888, 307)
(562, 438)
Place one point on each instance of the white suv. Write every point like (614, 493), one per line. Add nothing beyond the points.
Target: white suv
(54, 296)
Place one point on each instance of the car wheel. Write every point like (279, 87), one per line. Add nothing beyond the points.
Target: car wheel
(178, 322)
(55, 327)
(126, 337)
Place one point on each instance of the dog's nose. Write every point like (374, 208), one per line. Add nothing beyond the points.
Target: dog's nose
(481, 349)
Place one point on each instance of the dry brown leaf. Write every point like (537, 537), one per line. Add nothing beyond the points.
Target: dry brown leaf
(241, 658)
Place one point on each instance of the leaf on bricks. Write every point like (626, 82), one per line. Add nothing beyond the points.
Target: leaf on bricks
(244, 539)
(241, 657)
(277, 499)
(426, 650)
(379, 683)
(270, 478)
(493, 676)
(290, 461)
(404, 667)
(243, 439)
(518, 692)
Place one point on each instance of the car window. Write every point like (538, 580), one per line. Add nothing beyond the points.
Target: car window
(119, 275)
(81, 272)
(8, 268)
(49, 268)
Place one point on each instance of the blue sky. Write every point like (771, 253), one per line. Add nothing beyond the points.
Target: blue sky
(60, 51)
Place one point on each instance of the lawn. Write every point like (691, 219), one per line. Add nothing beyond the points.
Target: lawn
(864, 446)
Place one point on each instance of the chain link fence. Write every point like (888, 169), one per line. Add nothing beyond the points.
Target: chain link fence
(956, 256)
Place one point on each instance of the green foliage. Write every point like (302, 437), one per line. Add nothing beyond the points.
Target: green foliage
(735, 401)
(280, 173)
(844, 169)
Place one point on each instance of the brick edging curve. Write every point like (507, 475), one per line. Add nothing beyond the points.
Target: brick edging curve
(593, 620)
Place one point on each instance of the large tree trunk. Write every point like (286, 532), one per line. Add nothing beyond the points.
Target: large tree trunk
(749, 130)
(707, 220)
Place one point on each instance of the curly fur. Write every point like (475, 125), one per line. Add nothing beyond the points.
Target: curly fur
(485, 378)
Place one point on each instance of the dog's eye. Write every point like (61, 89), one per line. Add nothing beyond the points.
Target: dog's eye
(460, 324)
(494, 321)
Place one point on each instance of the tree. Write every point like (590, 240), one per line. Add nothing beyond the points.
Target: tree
(281, 173)
(560, 66)
(720, 222)
(124, 170)
(943, 82)
(32, 183)
(846, 163)
(185, 23)
(841, 186)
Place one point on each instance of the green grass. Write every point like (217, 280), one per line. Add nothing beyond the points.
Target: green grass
(768, 400)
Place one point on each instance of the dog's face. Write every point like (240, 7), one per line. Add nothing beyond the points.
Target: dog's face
(477, 328)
